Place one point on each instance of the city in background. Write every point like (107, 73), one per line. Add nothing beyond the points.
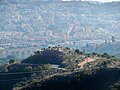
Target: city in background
(27, 26)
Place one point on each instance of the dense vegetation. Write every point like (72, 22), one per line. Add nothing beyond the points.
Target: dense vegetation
(64, 68)
(100, 79)
(45, 57)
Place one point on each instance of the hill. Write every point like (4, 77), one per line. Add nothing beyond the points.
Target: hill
(100, 79)
(96, 72)
(31, 24)
(45, 57)
(63, 67)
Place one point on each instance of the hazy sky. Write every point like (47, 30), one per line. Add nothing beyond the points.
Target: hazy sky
(102, 0)
(94, 0)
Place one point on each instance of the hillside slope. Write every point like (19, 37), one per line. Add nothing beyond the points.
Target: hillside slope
(89, 80)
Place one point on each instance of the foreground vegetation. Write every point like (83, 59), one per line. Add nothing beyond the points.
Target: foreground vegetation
(64, 68)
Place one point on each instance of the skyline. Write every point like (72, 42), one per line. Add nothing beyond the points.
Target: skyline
(102, 0)
(94, 0)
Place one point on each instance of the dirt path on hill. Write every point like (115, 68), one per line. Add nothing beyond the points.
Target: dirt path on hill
(86, 60)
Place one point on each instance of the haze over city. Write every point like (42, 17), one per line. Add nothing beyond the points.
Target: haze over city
(95, 0)
(59, 44)
(102, 0)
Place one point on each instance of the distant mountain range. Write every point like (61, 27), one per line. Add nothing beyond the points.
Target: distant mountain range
(35, 15)
(36, 22)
